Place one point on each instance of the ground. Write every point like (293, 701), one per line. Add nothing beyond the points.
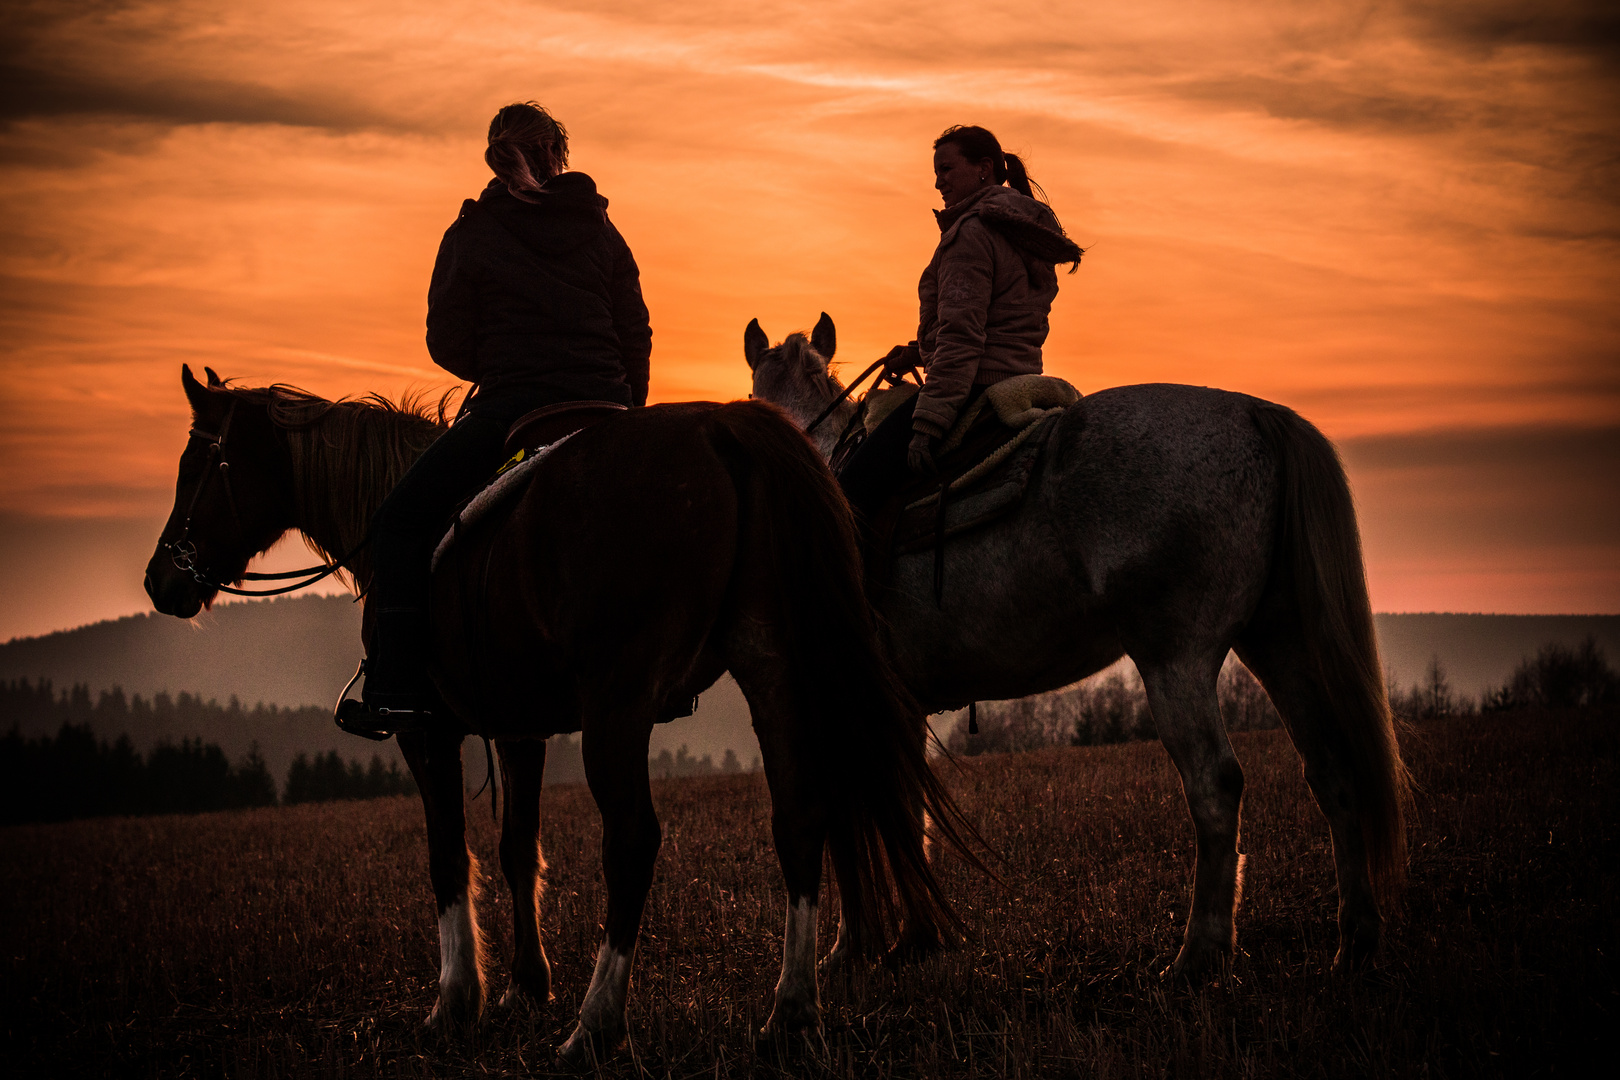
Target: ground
(301, 940)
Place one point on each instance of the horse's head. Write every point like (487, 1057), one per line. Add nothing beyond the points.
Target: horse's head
(232, 500)
(794, 374)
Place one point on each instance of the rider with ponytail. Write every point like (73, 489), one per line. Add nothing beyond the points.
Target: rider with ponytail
(535, 299)
(985, 297)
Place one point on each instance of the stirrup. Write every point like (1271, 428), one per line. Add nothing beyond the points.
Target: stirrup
(355, 717)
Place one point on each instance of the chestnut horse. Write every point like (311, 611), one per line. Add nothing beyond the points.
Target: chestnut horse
(647, 555)
(1171, 524)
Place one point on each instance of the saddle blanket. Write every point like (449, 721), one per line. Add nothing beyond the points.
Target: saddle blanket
(988, 490)
(508, 482)
(1018, 402)
(987, 457)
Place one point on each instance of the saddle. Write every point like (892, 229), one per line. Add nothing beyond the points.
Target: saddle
(530, 438)
(529, 441)
(552, 423)
(983, 467)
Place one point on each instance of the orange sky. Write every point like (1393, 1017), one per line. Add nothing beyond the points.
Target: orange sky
(1399, 219)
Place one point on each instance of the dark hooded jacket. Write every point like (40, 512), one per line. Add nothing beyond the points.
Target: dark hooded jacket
(539, 302)
(985, 298)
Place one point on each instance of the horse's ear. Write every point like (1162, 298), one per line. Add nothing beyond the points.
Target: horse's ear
(213, 379)
(754, 343)
(196, 392)
(824, 338)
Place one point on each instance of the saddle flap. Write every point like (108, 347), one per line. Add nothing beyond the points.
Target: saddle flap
(990, 486)
(546, 425)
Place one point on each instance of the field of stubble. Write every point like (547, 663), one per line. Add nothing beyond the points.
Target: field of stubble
(302, 941)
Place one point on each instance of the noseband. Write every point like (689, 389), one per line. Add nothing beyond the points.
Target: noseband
(183, 552)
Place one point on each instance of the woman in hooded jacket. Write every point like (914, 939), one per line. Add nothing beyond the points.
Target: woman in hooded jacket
(984, 297)
(535, 299)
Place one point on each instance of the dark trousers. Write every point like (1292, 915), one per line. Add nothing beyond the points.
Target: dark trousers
(877, 468)
(412, 519)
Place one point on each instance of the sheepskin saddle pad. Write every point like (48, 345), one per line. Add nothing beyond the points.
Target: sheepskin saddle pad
(985, 461)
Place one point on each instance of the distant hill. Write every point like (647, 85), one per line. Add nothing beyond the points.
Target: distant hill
(288, 652)
(300, 652)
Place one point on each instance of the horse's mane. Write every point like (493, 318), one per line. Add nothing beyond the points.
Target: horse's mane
(347, 455)
(796, 347)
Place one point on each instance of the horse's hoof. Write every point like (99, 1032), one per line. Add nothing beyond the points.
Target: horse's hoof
(446, 1021)
(841, 961)
(522, 1001)
(1198, 962)
(784, 1043)
(585, 1050)
(1358, 944)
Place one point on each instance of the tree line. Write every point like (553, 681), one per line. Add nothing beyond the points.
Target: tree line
(1556, 677)
(1115, 708)
(75, 774)
(681, 764)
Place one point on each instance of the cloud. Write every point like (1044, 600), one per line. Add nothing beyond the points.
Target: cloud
(28, 92)
(1337, 106)
(1579, 26)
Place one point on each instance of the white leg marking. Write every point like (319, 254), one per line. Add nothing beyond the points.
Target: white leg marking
(460, 981)
(603, 1010)
(798, 998)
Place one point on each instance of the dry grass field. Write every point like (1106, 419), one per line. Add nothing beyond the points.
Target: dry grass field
(301, 940)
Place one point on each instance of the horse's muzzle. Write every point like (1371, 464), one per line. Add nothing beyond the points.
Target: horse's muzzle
(172, 592)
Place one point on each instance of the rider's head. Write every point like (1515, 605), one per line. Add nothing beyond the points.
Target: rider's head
(527, 147)
(976, 149)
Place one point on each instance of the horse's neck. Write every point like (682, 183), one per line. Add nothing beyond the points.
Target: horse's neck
(341, 481)
(805, 410)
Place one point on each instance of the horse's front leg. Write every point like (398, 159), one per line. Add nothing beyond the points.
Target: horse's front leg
(523, 766)
(615, 755)
(435, 762)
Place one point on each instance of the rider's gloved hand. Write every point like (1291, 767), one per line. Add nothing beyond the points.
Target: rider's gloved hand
(920, 454)
(901, 360)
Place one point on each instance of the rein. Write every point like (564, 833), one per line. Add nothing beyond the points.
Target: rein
(184, 553)
(848, 390)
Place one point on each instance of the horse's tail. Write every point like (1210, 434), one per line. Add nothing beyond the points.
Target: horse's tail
(859, 729)
(1319, 559)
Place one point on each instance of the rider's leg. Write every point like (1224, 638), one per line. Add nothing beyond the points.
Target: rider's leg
(404, 532)
(877, 469)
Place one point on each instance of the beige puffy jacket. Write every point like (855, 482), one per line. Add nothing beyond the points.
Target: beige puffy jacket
(985, 297)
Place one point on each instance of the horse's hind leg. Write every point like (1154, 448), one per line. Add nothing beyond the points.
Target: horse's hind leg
(1279, 660)
(799, 828)
(1188, 717)
(435, 762)
(615, 753)
(523, 766)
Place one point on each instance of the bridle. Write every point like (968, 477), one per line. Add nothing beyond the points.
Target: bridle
(183, 552)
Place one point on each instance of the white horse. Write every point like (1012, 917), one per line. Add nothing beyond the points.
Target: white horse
(1170, 524)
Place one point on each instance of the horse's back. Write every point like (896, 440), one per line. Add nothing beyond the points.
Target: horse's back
(1161, 485)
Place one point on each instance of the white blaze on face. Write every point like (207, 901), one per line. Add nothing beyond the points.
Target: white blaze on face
(798, 983)
(458, 950)
(610, 987)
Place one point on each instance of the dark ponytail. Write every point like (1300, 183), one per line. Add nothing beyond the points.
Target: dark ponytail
(978, 144)
(1018, 179)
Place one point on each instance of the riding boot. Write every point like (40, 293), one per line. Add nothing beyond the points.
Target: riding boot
(398, 695)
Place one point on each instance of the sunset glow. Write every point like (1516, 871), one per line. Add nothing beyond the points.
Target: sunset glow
(1399, 219)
